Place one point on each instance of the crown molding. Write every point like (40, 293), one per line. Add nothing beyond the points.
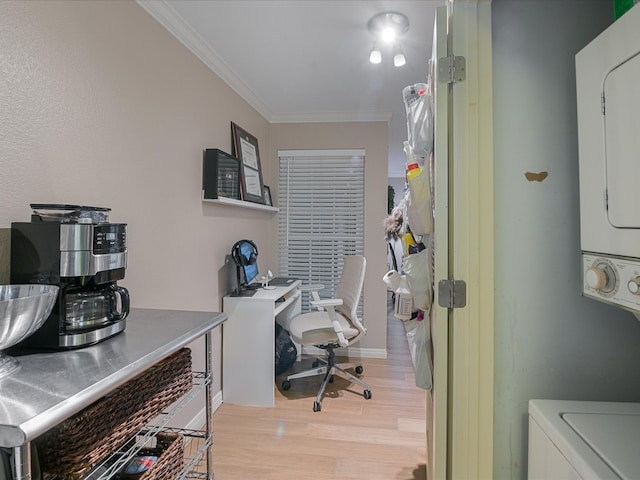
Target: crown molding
(166, 16)
(332, 117)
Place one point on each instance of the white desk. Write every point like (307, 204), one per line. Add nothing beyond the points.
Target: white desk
(248, 343)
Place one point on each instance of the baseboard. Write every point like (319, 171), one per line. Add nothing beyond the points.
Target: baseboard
(200, 418)
(355, 352)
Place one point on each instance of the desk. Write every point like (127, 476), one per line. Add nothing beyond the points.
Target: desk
(248, 343)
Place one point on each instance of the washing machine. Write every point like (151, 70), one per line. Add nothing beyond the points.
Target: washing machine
(572, 440)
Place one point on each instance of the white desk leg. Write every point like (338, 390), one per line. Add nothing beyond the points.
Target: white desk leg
(248, 354)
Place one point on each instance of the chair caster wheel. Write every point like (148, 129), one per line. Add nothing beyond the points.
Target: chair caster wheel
(359, 369)
(286, 385)
(367, 394)
(317, 406)
(315, 364)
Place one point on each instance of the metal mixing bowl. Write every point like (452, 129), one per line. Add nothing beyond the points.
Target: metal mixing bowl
(23, 310)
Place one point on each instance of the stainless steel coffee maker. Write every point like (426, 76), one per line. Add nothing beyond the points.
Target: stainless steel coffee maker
(76, 248)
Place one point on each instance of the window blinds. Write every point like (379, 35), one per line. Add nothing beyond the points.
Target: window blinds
(321, 214)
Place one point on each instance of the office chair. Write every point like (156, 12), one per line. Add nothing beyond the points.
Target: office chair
(335, 324)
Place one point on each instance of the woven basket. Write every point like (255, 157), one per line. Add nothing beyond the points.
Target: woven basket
(169, 450)
(80, 443)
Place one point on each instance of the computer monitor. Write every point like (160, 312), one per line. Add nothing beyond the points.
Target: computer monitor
(245, 256)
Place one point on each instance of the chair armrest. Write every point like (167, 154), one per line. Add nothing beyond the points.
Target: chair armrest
(328, 302)
(313, 287)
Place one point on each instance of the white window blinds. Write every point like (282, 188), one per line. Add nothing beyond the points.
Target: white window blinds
(321, 214)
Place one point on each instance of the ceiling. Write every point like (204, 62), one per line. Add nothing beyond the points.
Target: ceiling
(307, 60)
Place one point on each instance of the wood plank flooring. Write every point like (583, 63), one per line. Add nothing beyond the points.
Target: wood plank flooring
(351, 438)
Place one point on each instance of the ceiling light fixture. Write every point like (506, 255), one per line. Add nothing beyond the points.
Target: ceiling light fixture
(388, 27)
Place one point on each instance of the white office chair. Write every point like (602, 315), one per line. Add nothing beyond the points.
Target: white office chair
(335, 324)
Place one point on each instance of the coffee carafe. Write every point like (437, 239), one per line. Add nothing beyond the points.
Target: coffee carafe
(94, 307)
(76, 248)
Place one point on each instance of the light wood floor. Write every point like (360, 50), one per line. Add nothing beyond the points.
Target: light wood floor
(351, 438)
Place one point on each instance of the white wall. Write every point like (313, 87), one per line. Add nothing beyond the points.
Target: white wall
(550, 342)
(100, 105)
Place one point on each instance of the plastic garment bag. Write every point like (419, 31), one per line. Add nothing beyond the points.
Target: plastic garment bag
(419, 338)
(417, 268)
(419, 210)
(417, 103)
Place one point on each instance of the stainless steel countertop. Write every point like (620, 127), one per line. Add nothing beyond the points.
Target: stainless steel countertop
(50, 387)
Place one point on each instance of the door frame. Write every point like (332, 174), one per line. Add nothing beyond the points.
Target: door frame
(460, 431)
(437, 398)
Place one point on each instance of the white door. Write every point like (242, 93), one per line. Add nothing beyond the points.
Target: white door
(621, 100)
(437, 398)
(471, 339)
(461, 425)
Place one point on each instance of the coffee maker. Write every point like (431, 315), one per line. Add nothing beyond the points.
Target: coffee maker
(76, 248)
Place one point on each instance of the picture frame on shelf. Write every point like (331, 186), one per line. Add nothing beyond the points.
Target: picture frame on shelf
(220, 175)
(245, 148)
(266, 193)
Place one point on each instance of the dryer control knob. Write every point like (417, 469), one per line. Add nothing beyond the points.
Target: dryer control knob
(634, 286)
(596, 278)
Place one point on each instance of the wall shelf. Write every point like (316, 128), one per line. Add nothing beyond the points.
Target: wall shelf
(232, 202)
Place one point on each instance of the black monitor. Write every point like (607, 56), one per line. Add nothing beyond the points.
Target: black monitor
(245, 256)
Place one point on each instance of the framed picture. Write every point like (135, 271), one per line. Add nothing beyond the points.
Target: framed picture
(220, 175)
(266, 193)
(245, 147)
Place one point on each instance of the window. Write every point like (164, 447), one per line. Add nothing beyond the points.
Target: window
(321, 216)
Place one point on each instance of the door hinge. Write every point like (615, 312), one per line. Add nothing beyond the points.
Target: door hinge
(452, 69)
(602, 104)
(452, 293)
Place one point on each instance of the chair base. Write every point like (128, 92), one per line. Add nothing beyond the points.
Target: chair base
(329, 368)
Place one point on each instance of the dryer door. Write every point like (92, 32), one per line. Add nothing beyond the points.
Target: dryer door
(621, 102)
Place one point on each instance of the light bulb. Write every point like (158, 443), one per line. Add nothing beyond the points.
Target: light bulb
(388, 34)
(398, 59)
(376, 56)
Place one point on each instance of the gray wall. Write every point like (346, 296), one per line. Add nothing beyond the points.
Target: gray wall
(550, 342)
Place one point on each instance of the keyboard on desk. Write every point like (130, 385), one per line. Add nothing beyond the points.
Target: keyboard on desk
(282, 281)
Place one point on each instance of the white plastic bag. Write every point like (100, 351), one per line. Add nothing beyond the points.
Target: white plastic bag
(419, 211)
(417, 269)
(419, 338)
(417, 102)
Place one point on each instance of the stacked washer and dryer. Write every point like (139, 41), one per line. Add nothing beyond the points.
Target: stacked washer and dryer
(599, 440)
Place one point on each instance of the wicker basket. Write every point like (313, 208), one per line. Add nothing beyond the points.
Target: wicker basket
(169, 450)
(80, 443)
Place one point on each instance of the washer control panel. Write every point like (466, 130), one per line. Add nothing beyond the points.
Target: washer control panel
(614, 280)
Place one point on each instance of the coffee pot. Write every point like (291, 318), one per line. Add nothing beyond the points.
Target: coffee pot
(86, 309)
